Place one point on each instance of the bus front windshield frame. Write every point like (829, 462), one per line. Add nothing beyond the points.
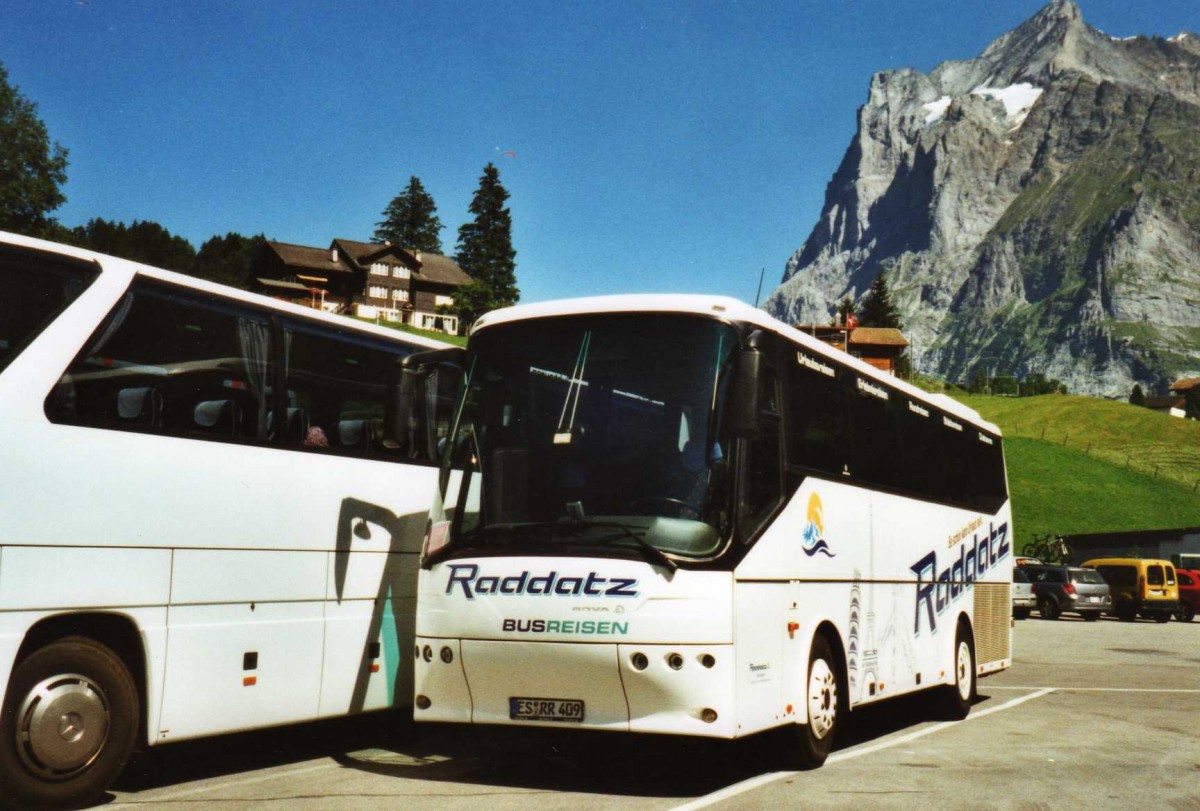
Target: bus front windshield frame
(595, 434)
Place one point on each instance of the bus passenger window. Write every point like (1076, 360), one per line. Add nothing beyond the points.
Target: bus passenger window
(337, 384)
(171, 361)
(36, 288)
(816, 415)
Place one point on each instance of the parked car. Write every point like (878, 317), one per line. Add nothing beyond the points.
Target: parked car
(1069, 590)
(1023, 600)
(1189, 594)
(1141, 587)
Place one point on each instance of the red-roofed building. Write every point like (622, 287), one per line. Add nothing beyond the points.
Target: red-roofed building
(879, 346)
(1188, 388)
(367, 279)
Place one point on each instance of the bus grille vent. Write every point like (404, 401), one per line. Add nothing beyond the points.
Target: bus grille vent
(993, 622)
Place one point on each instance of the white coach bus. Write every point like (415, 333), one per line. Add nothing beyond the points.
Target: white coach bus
(677, 515)
(204, 526)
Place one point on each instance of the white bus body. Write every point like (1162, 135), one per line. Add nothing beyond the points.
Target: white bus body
(202, 528)
(850, 543)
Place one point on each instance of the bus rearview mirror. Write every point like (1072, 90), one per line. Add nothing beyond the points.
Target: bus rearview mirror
(401, 397)
(742, 400)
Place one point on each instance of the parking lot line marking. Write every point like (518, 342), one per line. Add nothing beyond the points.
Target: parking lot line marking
(259, 778)
(766, 779)
(1106, 689)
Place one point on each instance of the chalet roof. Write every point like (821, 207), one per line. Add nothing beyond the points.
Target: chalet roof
(302, 256)
(1185, 384)
(877, 336)
(366, 253)
(352, 256)
(441, 270)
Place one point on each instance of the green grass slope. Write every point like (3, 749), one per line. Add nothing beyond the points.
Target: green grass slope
(1061, 491)
(1081, 464)
(1118, 433)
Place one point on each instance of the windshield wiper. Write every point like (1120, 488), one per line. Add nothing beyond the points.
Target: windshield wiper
(651, 552)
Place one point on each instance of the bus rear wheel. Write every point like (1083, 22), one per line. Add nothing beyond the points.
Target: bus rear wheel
(813, 741)
(955, 700)
(68, 725)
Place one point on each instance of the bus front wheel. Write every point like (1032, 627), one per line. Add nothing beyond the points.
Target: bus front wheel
(68, 725)
(814, 740)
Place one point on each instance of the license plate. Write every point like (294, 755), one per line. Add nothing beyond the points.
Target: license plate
(1096, 599)
(569, 710)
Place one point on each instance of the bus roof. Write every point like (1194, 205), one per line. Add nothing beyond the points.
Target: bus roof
(725, 308)
(114, 264)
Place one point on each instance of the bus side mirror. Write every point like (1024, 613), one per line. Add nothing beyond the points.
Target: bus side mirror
(742, 401)
(401, 397)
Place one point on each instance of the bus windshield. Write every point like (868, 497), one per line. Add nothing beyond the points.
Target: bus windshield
(583, 432)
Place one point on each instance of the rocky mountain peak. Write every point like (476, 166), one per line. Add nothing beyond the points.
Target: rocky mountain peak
(1022, 203)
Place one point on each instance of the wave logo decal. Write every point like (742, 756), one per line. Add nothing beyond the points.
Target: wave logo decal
(815, 529)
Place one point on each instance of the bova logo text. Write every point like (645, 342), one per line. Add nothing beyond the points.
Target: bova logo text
(936, 590)
(466, 576)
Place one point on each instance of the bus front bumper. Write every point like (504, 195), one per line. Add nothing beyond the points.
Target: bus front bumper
(670, 689)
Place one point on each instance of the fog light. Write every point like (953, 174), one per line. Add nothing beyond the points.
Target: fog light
(423, 703)
(639, 661)
(675, 661)
(708, 715)
(447, 655)
(427, 654)
(707, 660)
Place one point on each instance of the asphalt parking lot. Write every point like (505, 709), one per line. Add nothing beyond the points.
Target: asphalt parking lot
(1092, 715)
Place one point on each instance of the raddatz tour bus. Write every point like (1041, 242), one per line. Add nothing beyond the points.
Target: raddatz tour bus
(674, 514)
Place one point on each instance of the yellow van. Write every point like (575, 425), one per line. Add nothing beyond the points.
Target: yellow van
(1140, 587)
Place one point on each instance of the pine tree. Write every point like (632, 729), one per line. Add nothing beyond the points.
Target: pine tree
(32, 171)
(878, 310)
(485, 252)
(845, 308)
(411, 220)
(1137, 397)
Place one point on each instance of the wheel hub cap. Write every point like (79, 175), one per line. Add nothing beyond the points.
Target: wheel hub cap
(822, 698)
(63, 725)
(964, 670)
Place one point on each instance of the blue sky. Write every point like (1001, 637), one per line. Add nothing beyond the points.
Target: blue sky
(659, 146)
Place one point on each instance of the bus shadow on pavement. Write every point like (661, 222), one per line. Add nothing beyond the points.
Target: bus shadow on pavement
(540, 759)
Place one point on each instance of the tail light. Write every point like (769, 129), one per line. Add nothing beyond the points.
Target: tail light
(1069, 588)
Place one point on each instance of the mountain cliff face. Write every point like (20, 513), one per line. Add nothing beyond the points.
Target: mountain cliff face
(1035, 209)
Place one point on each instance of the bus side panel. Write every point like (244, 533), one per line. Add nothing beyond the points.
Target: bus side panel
(48, 577)
(241, 666)
(370, 624)
(245, 640)
(761, 631)
(898, 572)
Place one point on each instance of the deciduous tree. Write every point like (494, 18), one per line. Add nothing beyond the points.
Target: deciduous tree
(227, 259)
(32, 170)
